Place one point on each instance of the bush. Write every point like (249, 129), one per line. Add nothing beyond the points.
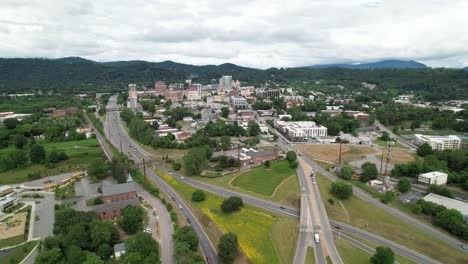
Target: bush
(404, 185)
(267, 164)
(331, 201)
(346, 173)
(342, 189)
(291, 156)
(232, 204)
(228, 248)
(176, 166)
(293, 165)
(198, 196)
(388, 197)
(440, 190)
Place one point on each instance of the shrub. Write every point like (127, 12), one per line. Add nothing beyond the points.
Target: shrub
(198, 196)
(331, 201)
(342, 189)
(176, 166)
(232, 204)
(293, 165)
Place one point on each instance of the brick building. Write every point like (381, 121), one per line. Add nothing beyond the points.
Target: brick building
(116, 198)
(256, 157)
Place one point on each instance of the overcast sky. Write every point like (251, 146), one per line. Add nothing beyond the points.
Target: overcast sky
(258, 33)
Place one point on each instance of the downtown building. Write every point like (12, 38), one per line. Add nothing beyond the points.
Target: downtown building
(301, 130)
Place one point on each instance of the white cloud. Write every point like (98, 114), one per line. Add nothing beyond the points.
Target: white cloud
(258, 33)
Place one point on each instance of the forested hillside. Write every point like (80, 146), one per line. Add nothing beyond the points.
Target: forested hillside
(80, 75)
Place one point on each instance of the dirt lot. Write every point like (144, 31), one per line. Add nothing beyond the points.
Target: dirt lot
(18, 222)
(399, 156)
(330, 153)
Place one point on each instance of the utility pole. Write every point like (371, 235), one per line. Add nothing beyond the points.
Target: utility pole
(144, 170)
(381, 161)
(389, 154)
(339, 157)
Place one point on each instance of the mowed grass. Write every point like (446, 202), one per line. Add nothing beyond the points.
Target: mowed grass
(263, 236)
(287, 191)
(17, 254)
(372, 219)
(350, 253)
(264, 180)
(310, 257)
(80, 153)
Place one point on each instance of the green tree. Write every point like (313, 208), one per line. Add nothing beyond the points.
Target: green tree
(383, 255)
(118, 168)
(346, 172)
(19, 140)
(267, 164)
(91, 258)
(176, 166)
(388, 197)
(440, 190)
(17, 158)
(232, 204)
(424, 150)
(253, 128)
(10, 123)
(342, 189)
(293, 165)
(187, 234)
(142, 244)
(50, 256)
(228, 248)
(127, 115)
(37, 153)
(369, 171)
(75, 255)
(97, 169)
(132, 219)
(404, 185)
(198, 196)
(225, 112)
(105, 251)
(291, 156)
(195, 161)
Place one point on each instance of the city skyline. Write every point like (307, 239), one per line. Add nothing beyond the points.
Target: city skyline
(259, 34)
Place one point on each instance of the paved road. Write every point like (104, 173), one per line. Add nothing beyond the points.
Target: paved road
(118, 135)
(304, 239)
(405, 143)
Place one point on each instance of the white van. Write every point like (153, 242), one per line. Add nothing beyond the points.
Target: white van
(317, 238)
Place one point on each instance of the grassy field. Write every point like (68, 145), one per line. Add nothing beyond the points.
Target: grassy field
(310, 257)
(18, 253)
(372, 219)
(264, 180)
(398, 156)
(350, 253)
(400, 259)
(264, 237)
(7, 242)
(384, 143)
(80, 154)
(287, 191)
(330, 152)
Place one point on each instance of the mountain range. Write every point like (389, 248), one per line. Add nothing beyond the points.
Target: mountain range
(385, 64)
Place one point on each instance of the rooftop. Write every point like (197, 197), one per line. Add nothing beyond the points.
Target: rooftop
(447, 202)
(433, 174)
(118, 188)
(112, 206)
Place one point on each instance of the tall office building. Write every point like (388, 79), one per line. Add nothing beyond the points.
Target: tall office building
(132, 97)
(226, 82)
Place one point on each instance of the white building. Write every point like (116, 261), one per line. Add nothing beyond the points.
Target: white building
(238, 102)
(132, 97)
(300, 131)
(434, 177)
(439, 142)
(449, 203)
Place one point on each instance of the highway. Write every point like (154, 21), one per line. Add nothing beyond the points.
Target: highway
(115, 136)
(305, 236)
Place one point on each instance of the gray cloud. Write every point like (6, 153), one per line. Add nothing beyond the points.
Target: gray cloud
(259, 33)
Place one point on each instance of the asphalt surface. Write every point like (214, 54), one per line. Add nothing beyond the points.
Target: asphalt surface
(119, 138)
(305, 237)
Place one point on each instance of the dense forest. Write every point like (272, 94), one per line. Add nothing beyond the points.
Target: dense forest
(80, 75)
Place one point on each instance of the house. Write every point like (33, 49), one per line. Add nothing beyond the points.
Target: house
(256, 157)
(326, 139)
(64, 112)
(434, 177)
(449, 203)
(119, 250)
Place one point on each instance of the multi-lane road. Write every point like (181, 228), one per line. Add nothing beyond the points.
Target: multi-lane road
(313, 219)
(120, 139)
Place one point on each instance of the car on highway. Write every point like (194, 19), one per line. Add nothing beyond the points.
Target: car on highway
(183, 178)
(147, 229)
(173, 199)
(189, 221)
(303, 189)
(282, 207)
(180, 207)
(317, 238)
(463, 246)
